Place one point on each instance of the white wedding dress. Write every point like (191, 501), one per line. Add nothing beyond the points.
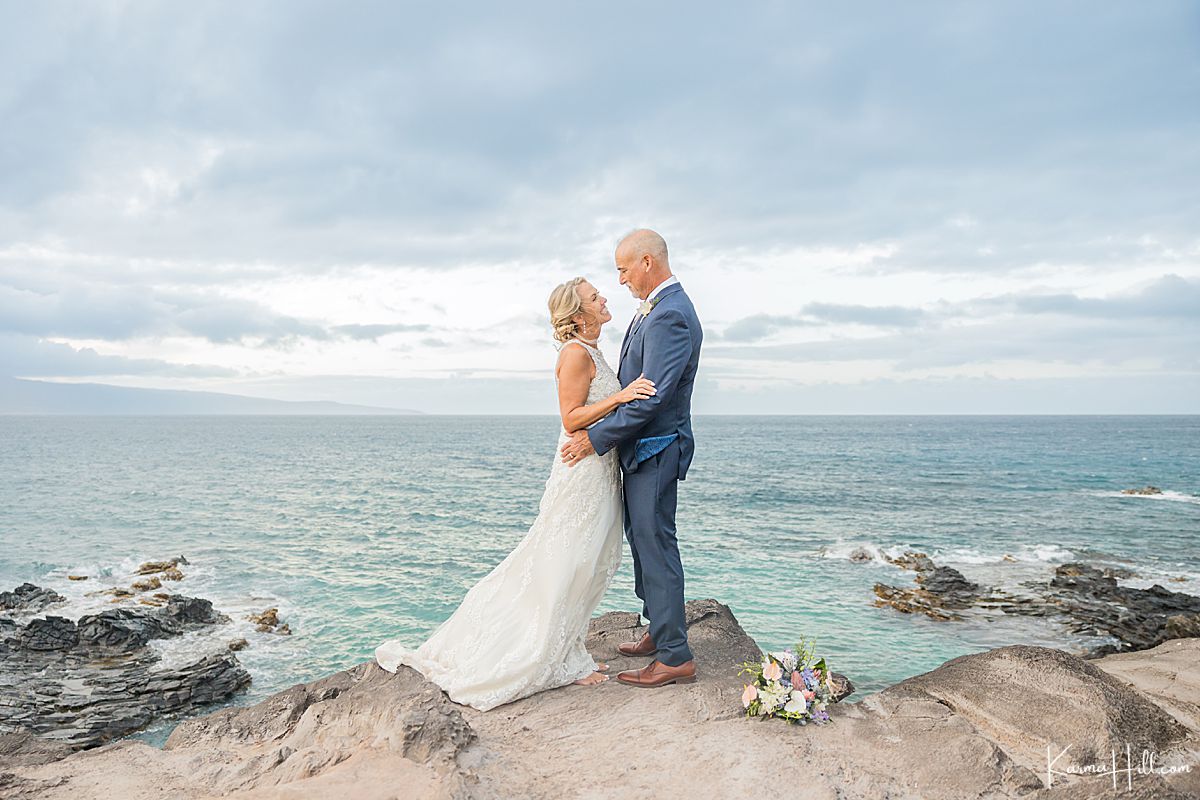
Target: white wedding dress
(521, 629)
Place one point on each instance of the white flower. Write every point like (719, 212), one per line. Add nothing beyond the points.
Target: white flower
(770, 700)
(645, 307)
(796, 703)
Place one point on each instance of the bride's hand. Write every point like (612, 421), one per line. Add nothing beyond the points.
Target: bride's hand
(640, 389)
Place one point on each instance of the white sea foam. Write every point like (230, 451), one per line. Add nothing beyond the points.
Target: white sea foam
(1030, 554)
(1010, 567)
(1167, 494)
(841, 550)
(200, 580)
(1021, 553)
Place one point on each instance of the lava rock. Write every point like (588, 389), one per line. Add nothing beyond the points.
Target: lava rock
(82, 683)
(49, 633)
(29, 597)
(939, 594)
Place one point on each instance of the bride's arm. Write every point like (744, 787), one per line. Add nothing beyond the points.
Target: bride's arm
(575, 372)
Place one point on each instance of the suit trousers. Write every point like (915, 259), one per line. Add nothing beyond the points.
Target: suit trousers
(650, 499)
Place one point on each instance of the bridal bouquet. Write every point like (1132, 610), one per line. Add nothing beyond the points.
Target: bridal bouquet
(791, 684)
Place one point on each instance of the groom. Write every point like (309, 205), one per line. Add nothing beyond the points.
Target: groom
(653, 437)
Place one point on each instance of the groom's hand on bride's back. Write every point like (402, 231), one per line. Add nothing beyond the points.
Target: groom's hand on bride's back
(577, 448)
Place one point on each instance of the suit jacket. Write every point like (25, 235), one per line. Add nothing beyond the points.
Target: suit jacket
(666, 347)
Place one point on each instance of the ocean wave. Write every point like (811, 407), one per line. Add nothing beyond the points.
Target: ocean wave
(842, 550)
(1167, 494)
(1009, 568)
(1024, 553)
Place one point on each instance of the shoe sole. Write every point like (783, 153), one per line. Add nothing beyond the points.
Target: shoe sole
(691, 679)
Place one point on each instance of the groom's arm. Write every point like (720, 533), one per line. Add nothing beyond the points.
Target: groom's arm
(668, 348)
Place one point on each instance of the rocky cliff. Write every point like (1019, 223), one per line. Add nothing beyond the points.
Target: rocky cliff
(980, 726)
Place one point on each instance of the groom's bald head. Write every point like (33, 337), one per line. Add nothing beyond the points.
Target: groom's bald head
(642, 261)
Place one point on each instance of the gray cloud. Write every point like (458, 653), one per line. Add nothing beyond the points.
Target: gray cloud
(373, 332)
(1160, 323)
(89, 311)
(154, 154)
(222, 131)
(29, 357)
(123, 311)
(1169, 297)
(760, 326)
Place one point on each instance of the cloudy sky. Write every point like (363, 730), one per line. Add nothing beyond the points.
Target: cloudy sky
(912, 208)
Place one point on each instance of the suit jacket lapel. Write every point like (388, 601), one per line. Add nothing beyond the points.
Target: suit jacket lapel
(636, 323)
(627, 339)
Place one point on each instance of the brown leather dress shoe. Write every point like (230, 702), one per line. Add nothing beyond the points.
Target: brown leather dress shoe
(658, 674)
(642, 647)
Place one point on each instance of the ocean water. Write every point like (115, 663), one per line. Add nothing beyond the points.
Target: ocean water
(360, 529)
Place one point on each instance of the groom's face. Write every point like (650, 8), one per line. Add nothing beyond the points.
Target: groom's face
(634, 273)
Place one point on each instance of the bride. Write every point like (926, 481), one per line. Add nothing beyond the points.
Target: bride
(521, 629)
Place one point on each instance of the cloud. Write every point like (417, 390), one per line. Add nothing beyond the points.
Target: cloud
(760, 326)
(89, 311)
(1160, 324)
(373, 332)
(1168, 297)
(218, 132)
(186, 172)
(30, 357)
(118, 312)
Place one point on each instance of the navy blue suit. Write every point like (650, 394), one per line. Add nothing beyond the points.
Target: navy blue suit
(665, 346)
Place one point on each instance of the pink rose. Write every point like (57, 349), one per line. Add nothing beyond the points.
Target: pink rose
(797, 679)
(748, 695)
(809, 695)
(772, 671)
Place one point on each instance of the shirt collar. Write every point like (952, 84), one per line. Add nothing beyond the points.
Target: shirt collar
(668, 282)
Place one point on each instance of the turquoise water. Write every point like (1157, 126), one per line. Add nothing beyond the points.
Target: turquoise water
(365, 528)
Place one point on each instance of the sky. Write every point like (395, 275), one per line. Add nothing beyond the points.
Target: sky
(890, 208)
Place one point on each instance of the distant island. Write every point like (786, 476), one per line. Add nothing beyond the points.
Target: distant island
(21, 396)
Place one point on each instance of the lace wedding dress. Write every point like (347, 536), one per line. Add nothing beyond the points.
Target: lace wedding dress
(521, 629)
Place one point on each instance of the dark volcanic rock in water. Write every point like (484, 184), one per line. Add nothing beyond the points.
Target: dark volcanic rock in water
(1139, 618)
(125, 627)
(914, 561)
(49, 633)
(939, 594)
(1088, 597)
(28, 597)
(81, 683)
(860, 555)
(949, 584)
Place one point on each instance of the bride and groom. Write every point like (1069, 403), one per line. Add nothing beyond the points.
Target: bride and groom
(622, 452)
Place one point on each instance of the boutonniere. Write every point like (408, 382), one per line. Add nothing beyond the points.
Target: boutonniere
(647, 305)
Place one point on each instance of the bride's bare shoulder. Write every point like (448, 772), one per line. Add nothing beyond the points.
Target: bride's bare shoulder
(574, 358)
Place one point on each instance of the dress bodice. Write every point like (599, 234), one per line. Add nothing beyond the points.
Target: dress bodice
(605, 384)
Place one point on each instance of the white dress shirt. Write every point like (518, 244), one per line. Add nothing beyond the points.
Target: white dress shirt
(668, 282)
(637, 316)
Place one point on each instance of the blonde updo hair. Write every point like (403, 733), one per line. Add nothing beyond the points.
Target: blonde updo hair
(564, 304)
